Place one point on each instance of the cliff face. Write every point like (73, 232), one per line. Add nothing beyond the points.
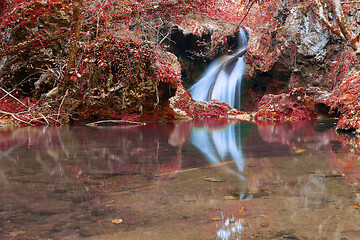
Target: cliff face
(302, 53)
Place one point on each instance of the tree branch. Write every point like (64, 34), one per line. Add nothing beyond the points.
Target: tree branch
(328, 24)
(348, 34)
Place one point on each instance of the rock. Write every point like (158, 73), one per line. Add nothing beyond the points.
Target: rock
(182, 101)
(127, 90)
(347, 103)
(307, 32)
(299, 53)
(294, 105)
(197, 40)
(262, 54)
(17, 233)
(46, 82)
(265, 224)
(32, 55)
(214, 179)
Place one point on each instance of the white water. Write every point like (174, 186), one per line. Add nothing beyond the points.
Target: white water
(222, 79)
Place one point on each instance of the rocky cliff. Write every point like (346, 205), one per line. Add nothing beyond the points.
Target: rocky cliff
(300, 52)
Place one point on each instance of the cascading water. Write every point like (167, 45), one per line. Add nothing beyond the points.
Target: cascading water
(222, 79)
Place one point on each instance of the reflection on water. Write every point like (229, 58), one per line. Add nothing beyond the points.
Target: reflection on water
(218, 144)
(215, 178)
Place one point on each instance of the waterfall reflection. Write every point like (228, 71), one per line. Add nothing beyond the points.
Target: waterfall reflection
(220, 144)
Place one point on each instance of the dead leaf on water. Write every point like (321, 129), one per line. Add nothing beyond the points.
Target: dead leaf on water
(216, 218)
(117, 221)
(14, 234)
(356, 207)
(229, 197)
(300, 150)
(214, 179)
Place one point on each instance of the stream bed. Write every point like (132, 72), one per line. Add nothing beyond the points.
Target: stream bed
(202, 179)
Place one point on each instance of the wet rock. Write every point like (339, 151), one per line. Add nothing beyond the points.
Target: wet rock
(329, 174)
(294, 105)
(79, 196)
(229, 197)
(291, 236)
(265, 224)
(214, 179)
(284, 233)
(182, 101)
(17, 233)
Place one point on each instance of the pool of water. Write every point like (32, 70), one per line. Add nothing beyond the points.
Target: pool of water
(203, 179)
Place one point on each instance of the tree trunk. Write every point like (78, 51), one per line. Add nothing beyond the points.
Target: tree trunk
(344, 27)
(70, 77)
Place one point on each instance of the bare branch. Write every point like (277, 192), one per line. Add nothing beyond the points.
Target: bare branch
(62, 101)
(348, 34)
(249, 6)
(7, 93)
(93, 124)
(14, 116)
(329, 25)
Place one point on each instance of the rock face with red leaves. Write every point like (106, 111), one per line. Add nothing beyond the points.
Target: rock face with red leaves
(347, 102)
(291, 106)
(300, 70)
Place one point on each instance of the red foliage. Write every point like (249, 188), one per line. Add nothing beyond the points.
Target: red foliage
(294, 105)
(347, 102)
(339, 66)
(29, 13)
(261, 54)
(28, 111)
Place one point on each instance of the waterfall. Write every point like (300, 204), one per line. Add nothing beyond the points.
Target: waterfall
(222, 79)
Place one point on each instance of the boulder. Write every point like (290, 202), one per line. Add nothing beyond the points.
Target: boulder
(183, 104)
(347, 102)
(294, 105)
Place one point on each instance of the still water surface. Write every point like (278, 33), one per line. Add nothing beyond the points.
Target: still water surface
(203, 179)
